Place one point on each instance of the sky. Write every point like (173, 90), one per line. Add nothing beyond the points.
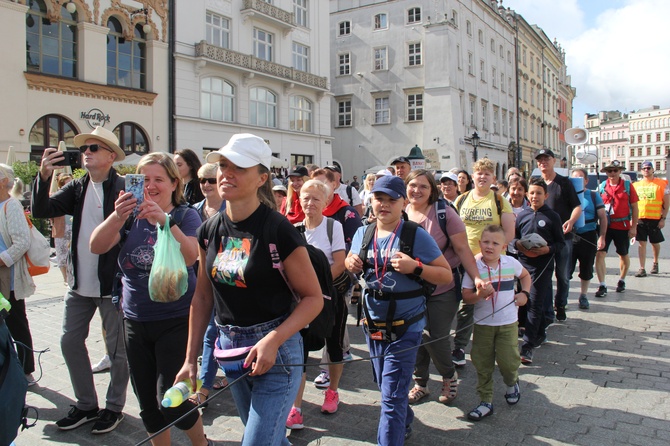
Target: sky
(617, 51)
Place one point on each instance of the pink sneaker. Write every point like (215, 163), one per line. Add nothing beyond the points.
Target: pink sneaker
(330, 402)
(294, 420)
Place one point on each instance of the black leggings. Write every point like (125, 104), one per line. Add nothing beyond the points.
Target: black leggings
(156, 351)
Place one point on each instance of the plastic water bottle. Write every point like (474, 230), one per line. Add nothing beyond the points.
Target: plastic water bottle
(5, 306)
(179, 393)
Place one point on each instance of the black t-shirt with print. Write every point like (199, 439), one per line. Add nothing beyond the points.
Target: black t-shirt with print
(248, 290)
(562, 197)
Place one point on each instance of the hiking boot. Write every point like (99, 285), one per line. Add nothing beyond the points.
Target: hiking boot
(620, 286)
(323, 380)
(654, 268)
(76, 417)
(560, 314)
(602, 291)
(107, 421)
(416, 393)
(330, 401)
(641, 273)
(527, 356)
(583, 302)
(294, 420)
(458, 357)
(449, 389)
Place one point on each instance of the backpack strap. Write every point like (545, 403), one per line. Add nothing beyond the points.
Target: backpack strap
(329, 229)
(441, 212)
(365, 244)
(460, 200)
(595, 213)
(350, 195)
(499, 205)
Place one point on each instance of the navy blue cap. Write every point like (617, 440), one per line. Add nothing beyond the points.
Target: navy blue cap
(400, 159)
(545, 152)
(390, 185)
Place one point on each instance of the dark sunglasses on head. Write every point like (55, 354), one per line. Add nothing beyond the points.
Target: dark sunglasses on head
(93, 148)
(208, 180)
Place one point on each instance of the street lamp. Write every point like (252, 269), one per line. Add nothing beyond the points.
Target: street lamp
(474, 140)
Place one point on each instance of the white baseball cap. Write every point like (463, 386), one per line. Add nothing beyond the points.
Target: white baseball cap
(383, 173)
(244, 150)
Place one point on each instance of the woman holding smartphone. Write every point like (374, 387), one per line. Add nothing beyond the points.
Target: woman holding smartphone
(240, 279)
(155, 332)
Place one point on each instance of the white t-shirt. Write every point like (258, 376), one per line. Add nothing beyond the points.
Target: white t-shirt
(509, 268)
(342, 192)
(92, 215)
(318, 237)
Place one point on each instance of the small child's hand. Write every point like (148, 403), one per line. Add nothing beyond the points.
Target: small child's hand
(520, 299)
(354, 263)
(403, 263)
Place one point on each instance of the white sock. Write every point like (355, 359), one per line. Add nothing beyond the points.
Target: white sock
(602, 283)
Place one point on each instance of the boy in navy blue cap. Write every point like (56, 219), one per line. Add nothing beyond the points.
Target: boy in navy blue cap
(394, 300)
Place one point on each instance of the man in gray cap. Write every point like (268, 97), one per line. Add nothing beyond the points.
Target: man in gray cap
(89, 200)
(402, 167)
(561, 198)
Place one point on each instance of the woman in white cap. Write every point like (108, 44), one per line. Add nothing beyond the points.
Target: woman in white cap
(246, 253)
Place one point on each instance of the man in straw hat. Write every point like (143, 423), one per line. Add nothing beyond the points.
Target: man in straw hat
(620, 201)
(89, 200)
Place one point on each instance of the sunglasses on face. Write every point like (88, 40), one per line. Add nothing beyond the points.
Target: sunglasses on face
(208, 180)
(92, 147)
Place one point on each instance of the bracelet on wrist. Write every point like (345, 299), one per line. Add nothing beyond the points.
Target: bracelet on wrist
(526, 293)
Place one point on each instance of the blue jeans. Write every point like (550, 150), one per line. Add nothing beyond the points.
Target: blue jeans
(265, 401)
(563, 273)
(209, 364)
(393, 375)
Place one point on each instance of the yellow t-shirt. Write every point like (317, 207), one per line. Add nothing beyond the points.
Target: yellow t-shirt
(479, 213)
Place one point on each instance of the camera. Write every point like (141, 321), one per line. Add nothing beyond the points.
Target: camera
(71, 158)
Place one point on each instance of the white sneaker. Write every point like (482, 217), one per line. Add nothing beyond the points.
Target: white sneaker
(323, 380)
(104, 365)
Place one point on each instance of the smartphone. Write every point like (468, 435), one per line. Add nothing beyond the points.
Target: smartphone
(71, 158)
(135, 185)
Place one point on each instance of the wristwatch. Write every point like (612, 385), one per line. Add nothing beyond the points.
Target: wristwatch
(419, 268)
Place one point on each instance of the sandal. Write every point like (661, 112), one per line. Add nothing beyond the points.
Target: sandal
(482, 411)
(513, 397)
(417, 393)
(200, 399)
(220, 383)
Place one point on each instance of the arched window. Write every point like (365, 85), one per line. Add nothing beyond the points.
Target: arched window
(126, 59)
(51, 47)
(262, 107)
(48, 131)
(300, 114)
(132, 138)
(216, 99)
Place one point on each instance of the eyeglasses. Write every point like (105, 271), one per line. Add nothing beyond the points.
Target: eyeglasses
(646, 168)
(93, 148)
(208, 180)
(611, 170)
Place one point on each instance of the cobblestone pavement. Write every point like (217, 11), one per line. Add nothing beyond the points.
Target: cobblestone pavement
(603, 378)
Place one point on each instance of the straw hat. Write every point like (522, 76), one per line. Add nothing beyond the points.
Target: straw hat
(102, 135)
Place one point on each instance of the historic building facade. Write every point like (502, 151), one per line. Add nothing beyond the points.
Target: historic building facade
(254, 66)
(71, 65)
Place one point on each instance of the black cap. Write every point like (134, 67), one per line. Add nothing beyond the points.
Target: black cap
(400, 159)
(299, 171)
(333, 169)
(545, 152)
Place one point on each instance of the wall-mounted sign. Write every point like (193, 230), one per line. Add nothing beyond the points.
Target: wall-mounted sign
(95, 117)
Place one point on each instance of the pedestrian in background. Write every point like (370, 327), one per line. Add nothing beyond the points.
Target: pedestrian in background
(188, 163)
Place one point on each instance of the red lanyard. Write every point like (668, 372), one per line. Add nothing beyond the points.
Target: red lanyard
(495, 296)
(388, 252)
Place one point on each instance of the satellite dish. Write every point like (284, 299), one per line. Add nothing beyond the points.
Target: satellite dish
(576, 136)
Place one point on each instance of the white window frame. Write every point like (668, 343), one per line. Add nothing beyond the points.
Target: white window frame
(485, 112)
(301, 57)
(414, 56)
(503, 122)
(344, 64)
(413, 15)
(471, 58)
(495, 120)
(263, 110)
(494, 77)
(301, 12)
(380, 58)
(344, 113)
(300, 114)
(217, 30)
(473, 112)
(344, 28)
(263, 44)
(382, 109)
(380, 21)
(414, 103)
(217, 104)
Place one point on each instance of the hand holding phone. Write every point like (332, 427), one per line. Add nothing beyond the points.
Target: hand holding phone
(135, 185)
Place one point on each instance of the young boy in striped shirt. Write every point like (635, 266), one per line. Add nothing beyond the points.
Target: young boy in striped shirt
(496, 323)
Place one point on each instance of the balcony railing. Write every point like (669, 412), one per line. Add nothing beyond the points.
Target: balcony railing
(254, 64)
(266, 11)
